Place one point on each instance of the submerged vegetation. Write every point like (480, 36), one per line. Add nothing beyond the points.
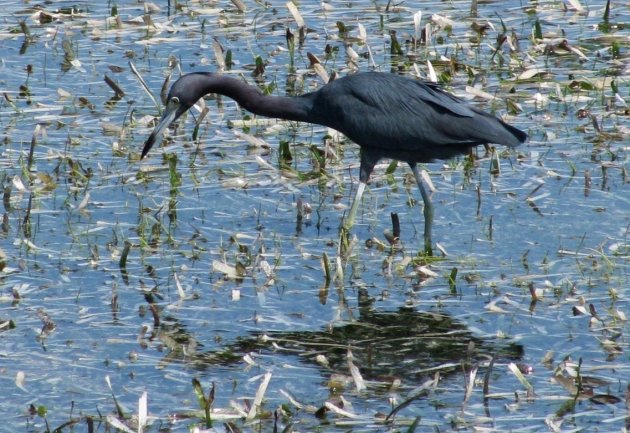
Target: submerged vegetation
(204, 289)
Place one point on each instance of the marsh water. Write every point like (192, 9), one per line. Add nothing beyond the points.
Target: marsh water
(122, 277)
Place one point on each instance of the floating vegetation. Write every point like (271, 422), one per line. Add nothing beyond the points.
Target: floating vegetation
(204, 290)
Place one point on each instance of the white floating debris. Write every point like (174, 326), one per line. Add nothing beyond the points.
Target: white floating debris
(260, 394)
(442, 21)
(229, 271)
(417, 19)
(531, 73)
(432, 74)
(20, 379)
(296, 14)
(18, 184)
(359, 383)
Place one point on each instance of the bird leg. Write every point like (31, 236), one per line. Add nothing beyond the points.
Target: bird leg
(349, 222)
(369, 158)
(428, 210)
(344, 235)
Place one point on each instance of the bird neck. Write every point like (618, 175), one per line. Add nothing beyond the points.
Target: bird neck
(250, 98)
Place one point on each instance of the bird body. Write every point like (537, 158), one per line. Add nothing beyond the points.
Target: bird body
(388, 115)
(405, 119)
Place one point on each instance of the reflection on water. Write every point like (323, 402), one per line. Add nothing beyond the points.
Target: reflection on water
(406, 344)
(212, 233)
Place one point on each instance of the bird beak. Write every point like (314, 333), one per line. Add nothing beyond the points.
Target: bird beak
(171, 112)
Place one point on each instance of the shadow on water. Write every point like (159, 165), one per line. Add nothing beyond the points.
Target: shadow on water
(385, 345)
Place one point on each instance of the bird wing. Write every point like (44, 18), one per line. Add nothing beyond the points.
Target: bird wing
(433, 94)
(406, 119)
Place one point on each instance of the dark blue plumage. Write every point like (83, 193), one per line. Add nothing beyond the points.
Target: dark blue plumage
(388, 115)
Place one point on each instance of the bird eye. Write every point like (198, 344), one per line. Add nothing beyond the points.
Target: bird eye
(175, 100)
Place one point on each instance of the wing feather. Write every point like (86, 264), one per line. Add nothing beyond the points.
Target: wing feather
(407, 119)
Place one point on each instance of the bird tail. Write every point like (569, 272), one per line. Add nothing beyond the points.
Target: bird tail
(512, 136)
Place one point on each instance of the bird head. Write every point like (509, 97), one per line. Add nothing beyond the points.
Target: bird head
(180, 98)
(174, 108)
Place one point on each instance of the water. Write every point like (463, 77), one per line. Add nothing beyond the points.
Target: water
(79, 319)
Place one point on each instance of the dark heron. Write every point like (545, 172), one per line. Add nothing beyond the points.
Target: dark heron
(388, 115)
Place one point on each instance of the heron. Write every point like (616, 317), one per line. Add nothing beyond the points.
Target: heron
(387, 115)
